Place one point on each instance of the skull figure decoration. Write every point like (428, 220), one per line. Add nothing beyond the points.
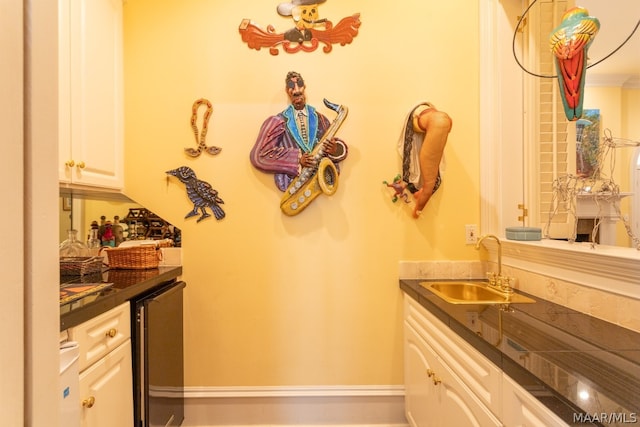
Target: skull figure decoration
(305, 16)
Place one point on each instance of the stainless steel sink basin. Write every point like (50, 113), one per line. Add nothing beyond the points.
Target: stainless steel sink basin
(473, 293)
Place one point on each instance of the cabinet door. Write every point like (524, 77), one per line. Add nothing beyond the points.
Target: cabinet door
(106, 390)
(458, 406)
(480, 375)
(421, 406)
(434, 396)
(92, 88)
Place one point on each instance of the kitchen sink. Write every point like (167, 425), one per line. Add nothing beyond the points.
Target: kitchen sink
(473, 293)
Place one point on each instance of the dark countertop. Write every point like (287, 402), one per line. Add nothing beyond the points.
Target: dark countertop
(570, 361)
(127, 285)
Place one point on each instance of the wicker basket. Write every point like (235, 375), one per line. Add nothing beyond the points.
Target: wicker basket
(134, 257)
(80, 266)
(165, 243)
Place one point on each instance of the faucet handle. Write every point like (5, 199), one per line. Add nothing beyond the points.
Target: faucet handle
(508, 283)
(492, 278)
(504, 284)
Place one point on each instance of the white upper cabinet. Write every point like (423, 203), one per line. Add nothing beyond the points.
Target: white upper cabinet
(91, 132)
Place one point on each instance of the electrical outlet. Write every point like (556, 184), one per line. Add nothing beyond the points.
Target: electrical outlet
(471, 234)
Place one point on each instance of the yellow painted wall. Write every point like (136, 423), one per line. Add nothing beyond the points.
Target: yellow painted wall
(631, 105)
(311, 299)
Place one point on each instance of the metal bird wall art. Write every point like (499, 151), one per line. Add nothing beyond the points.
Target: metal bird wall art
(570, 43)
(200, 193)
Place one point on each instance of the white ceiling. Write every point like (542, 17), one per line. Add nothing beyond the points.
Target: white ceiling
(617, 20)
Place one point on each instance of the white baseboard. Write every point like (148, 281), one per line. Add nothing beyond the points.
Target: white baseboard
(317, 406)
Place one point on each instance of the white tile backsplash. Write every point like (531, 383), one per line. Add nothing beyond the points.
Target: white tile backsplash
(441, 270)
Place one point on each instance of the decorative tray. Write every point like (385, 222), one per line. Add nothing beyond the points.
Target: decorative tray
(80, 290)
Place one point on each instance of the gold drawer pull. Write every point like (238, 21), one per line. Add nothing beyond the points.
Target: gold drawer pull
(430, 373)
(70, 163)
(80, 165)
(112, 332)
(89, 402)
(436, 380)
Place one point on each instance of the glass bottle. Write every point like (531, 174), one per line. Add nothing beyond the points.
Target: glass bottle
(72, 247)
(94, 242)
(118, 231)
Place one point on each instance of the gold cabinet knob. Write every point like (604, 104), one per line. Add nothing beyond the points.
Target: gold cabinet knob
(69, 163)
(430, 373)
(89, 402)
(112, 332)
(436, 380)
(80, 165)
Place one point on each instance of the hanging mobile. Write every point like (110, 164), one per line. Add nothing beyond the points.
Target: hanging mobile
(201, 136)
(569, 44)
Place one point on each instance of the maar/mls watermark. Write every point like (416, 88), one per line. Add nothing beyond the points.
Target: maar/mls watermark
(606, 417)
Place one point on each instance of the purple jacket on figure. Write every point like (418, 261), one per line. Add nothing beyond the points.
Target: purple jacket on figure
(279, 144)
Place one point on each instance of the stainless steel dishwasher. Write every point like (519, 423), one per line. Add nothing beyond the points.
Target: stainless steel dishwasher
(158, 360)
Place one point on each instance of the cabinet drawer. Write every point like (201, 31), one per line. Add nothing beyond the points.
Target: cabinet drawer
(100, 335)
(476, 371)
(521, 408)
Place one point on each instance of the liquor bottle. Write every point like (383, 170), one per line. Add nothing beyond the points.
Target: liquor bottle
(72, 247)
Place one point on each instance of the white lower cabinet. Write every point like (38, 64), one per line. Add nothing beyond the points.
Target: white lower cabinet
(421, 405)
(446, 383)
(106, 390)
(106, 372)
(434, 395)
(450, 383)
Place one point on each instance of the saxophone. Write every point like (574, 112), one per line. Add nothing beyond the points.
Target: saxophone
(320, 178)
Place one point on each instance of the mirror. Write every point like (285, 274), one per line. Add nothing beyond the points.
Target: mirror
(558, 147)
(78, 212)
(507, 156)
(613, 87)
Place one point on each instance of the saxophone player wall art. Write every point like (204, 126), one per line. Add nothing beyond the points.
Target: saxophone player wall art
(299, 146)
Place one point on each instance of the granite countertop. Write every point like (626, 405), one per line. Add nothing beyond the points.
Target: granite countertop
(114, 287)
(570, 361)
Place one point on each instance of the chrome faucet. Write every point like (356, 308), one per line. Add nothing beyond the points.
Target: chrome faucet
(497, 281)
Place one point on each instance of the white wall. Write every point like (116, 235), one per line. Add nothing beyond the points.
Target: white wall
(41, 271)
(11, 250)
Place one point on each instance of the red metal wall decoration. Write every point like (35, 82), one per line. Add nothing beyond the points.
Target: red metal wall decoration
(343, 33)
